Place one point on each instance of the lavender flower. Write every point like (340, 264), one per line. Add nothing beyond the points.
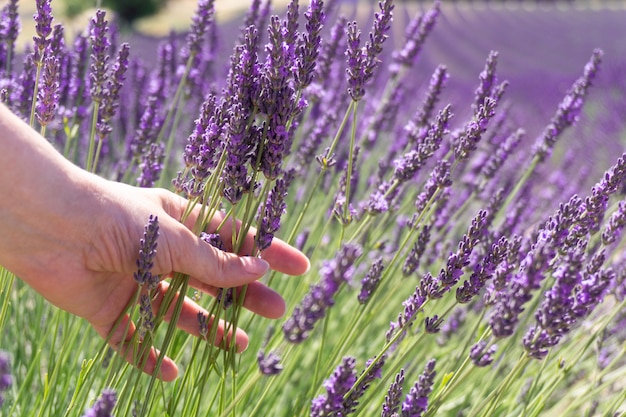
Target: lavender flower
(112, 87)
(569, 108)
(439, 179)
(309, 50)
(235, 174)
(408, 165)
(213, 239)
(6, 380)
(488, 81)
(433, 324)
(321, 295)
(270, 364)
(151, 165)
(100, 47)
(423, 115)
(273, 209)
(466, 142)
(203, 324)
(372, 371)
(412, 305)
(416, 32)
(201, 22)
(416, 401)
(480, 355)
(412, 261)
(48, 94)
(328, 52)
(147, 253)
(378, 35)
(391, 405)
(356, 63)
(43, 28)
(613, 229)
(483, 271)
(339, 383)
(104, 405)
(497, 159)
(146, 316)
(371, 281)
(12, 26)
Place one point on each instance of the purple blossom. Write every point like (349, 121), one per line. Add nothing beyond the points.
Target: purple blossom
(201, 22)
(416, 32)
(480, 355)
(104, 405)
(43, 28)
(235, 177)
(412, 305)
(149, 127)
(147, 253)
(309, 50)
(328, 52)
(146, 316)
(483, 271)
(377, 36)
(113, 86)
(433, 324)
(100, 45)
(370, 282)
(11, 29)
(356, 63)
(321, 295)
(488, 81)
(408, 165)
(213, 239)
(391, 405)
(569, 109)
(48, 94)
(6, 380)
(439, 179)
(499, 157)
(466, 141)
(372, 371)
(412, 261)
(416, 401)
(269, 364)
(423, 115)
(151, 165)
(613, 229)
(337, 385)
(203, 324)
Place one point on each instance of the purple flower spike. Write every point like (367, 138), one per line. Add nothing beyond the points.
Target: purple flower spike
(309, 50)
(480, 355)
(613, 230)
(416, 33)
(48, 94)
(11, 18)
(338, 385)
(269, 364)
(569, 109)
(356, 63)
(235, 175)
(378, 35)
(274, 208)
(201, 22)
(416, 401)
(368, 376)
(321, 295)
(412, 261)
(412, 306)
(371, 281)
(100, 44)
(111, 93)
(151, 165)
(203, 324)
(488, 81)
(391, 406)
(104, 405)
(43, 28)
(147, 252)
(6, 380)
(146, 316)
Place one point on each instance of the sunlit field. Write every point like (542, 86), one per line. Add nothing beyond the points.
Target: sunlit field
(456, 173)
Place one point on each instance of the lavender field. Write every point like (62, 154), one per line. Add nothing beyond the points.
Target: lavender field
(455, 172)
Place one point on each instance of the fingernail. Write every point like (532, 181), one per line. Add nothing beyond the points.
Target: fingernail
(255, 266)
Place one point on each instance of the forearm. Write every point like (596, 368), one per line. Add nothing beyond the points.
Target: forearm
(36, 193)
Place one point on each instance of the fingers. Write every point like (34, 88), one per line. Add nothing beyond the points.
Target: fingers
(188, 321)
(121, 339)
(259, 298)
(186, 253)
(280, 256)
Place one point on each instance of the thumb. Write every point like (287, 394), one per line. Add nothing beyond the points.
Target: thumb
(184, 252)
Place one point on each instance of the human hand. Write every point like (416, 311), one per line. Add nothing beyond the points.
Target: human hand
(74, 238)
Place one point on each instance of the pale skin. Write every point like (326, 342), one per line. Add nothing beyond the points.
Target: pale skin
(74, 238)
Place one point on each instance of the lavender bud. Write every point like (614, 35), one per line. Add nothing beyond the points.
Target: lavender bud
(391, 406)
(433, 324)
(371, 281)
(481, 356)
(338, 385)
(274, 208)
(100, 47)
(203, 324)
(151, 165)
(270, 364)
(416, 401)
(48, 94)
(104, 405)
(43, 28)
(146, 316)
(147, 252)
(6, 380)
